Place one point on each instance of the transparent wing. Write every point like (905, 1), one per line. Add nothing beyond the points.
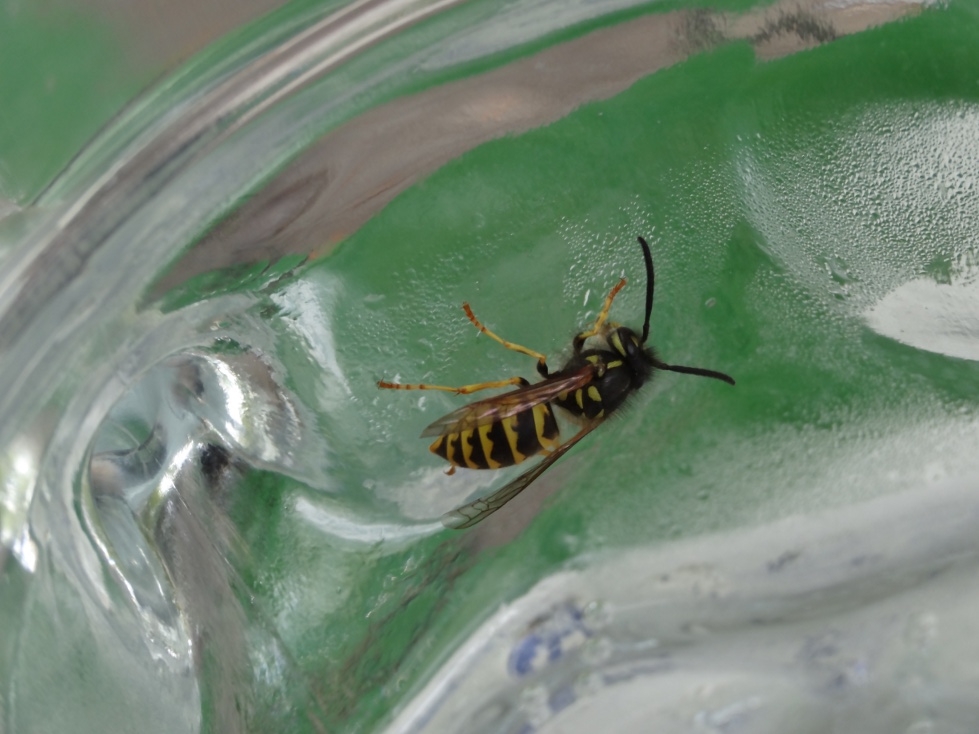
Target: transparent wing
(474, 512)
(502, 406)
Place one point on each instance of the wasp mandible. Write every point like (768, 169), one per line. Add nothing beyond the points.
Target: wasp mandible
(510, 428)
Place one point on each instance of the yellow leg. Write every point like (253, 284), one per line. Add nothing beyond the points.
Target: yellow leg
(464, 390)
(603, 314)
(541, 359)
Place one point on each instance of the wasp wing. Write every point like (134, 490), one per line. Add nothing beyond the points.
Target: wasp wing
(476, 511)
(502, 406)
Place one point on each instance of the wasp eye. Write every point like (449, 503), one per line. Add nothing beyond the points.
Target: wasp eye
(615, 341)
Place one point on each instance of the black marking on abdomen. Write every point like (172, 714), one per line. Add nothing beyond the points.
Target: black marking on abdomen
(509, 441)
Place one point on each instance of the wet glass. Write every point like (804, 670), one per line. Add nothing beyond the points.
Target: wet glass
(211, 519)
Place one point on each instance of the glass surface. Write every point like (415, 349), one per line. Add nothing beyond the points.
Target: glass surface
(211, 519)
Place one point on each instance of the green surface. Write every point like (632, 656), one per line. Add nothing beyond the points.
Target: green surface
(524, 227)
(61, 77)
(773, 196)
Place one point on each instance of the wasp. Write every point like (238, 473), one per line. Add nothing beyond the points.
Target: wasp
(509, 428)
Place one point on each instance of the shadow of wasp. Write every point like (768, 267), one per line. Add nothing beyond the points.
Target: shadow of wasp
(508, 429)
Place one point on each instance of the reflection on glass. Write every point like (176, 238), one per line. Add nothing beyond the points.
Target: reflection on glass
(212, 520)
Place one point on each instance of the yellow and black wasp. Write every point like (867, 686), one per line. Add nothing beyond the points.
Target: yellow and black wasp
(510, 428)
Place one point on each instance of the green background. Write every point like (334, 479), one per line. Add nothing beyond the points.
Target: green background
(776, 198)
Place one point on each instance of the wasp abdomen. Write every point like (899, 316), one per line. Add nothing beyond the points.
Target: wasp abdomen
(500, 443)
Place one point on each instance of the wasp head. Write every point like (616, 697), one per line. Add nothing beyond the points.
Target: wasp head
(637, 358)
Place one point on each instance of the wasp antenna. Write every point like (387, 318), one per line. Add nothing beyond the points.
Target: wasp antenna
(650, 280)
(699, 371)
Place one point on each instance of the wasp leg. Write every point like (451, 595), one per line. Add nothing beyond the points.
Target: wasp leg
(541, 359)
(579, 340)
(463, 390)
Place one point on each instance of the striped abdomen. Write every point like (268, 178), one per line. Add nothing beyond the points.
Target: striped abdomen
(500, 443)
